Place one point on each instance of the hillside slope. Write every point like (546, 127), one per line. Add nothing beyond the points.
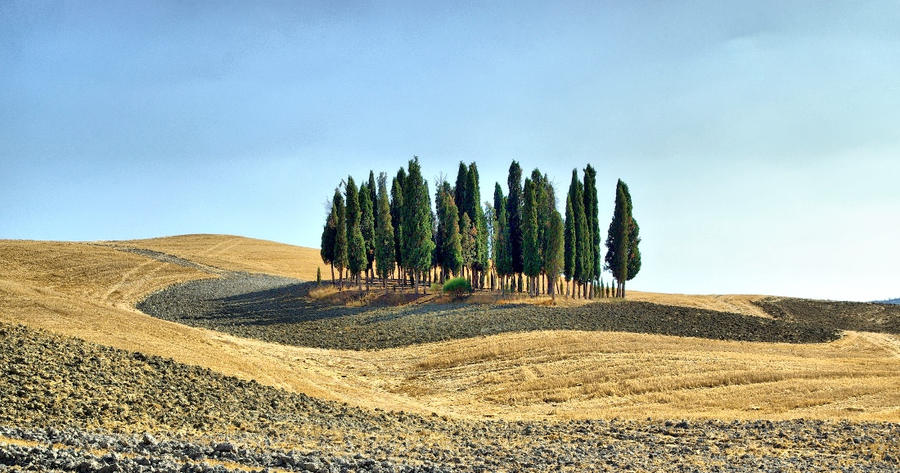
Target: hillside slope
(88, 291)
(236, 253)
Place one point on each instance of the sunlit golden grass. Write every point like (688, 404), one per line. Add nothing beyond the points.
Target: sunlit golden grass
(240, 254)
(737, 303)
(88, 291)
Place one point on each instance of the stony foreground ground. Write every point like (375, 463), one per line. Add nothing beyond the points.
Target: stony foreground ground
(279, 310)
(68, 405)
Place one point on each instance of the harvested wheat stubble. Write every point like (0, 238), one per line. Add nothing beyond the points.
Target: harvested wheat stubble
(74, 406)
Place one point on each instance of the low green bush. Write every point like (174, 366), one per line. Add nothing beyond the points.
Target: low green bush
(458, 287)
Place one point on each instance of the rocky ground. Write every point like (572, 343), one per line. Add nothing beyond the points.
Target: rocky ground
(69, 405)
(279, 310)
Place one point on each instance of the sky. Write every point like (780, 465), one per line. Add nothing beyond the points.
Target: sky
(759, 139)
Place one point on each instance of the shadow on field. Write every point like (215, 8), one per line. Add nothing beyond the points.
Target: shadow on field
(292, 304)
(281, 310)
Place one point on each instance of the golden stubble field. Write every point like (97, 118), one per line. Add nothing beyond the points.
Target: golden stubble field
(88, 290)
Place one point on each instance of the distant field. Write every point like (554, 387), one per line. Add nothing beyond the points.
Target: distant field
(240, 254)
(88, 291)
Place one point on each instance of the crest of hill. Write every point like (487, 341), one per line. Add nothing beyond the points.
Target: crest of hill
(237, 253)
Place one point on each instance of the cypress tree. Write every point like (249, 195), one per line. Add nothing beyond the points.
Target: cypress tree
(476, 213)
(581, 234)
(417, 239)
(460, 192)
(328, 235)
(499, 200)
(514, 215)
(503, 262)
(340, 259)
(384, 241)
(397, 216)
(617, 245)
(530, 245)
(367, 227)
(352, 196)
(592, 246)
(356, 245)
(467, 235)
(569, 265)
(373, 198)
(451, 253)
(553, 254)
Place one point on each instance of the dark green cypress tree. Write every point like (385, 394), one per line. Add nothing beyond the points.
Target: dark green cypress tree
(553, 253)
(327, 244)
(356, 244)
(468, 234)
(367, 227)
(498, 199)
(351, 193)
(373, 197)
(593, 224)
(340, 260)
(504, 255)
(451, 252)
(530, 245)
(418, 244)
(617, 241)
(569, 266)
(514, 214)
(384, 240)
(476, 213)
(460, 192)
(581, 235)
(397, 216)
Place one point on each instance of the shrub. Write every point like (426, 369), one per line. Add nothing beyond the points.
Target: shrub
(458, 287)
(318, 276)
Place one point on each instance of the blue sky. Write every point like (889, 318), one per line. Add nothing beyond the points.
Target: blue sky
(760, 141)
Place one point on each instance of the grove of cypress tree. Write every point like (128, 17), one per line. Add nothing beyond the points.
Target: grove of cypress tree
(569, 256)
(340, 259)
(514, 215)
(418, 244)
(384, 239)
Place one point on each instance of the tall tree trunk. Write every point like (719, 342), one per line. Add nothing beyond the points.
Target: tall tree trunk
(332, 274)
